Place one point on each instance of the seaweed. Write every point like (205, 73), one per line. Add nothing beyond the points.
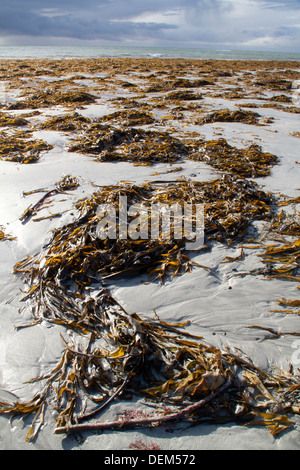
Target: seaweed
(66, 123)
(17, 148)
(129, 118)
(281, 99)
(225, 115)
(230, 206)
(183, 96)
(49, 98)
(67, 183)
(115, 353)
(143, 147)
(251, 162)
(4, 236)
(12, 121)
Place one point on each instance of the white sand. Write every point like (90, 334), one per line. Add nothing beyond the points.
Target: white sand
(219, 307)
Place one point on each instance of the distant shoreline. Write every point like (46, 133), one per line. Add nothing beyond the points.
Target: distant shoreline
(95, 52)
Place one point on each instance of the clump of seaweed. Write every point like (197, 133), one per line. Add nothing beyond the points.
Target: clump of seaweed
(225, 115)
(4, 236)
(12, 121)
(187, 83)
(129, 118)
(17, 147)
(66, 123)
(143, 147)
(89, 257)
(183, 96)
(251, 162)
(49, 98)
(281, 99)
(274, 84)
(175, 371)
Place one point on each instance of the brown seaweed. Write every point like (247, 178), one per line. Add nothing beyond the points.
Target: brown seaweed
(16, 147)
(251, 162)
(225, 115)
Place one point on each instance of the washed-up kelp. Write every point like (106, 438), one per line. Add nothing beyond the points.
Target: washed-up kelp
(122, 355)
(183, 96)
(115, 354)
(67, 183)
(187, 83)
(251, 162)
(12, 121)
(51, 97)
(76, 250)
(129, 118)
(281, 99)
(143, 147)
(225, 115)
(4, 236)
(66, 123)
(273, 84)
(16, 147)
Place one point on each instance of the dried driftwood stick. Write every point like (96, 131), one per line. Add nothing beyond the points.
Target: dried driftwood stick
(144, 422)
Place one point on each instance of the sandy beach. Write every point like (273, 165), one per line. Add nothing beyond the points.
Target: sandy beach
(72, 128)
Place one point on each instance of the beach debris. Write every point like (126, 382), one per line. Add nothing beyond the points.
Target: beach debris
(111, 354)
(12, 121)
(184, 378)
(275, 334)
(183, 96)
(66, 122)
(140, 445)
(67, 183)
(251, 162)
(281, 98)
(274, 84)
(4, 236)
(139, 146)
(226, 115)
(283, 258)
(230, 205)
(129, 118)
(50, 97)
(17, 147)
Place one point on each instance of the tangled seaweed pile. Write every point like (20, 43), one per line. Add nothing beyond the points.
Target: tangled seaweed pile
(225, 115)
(143, 147)
(66, 123)
(247, 163)
(16, 147)
(12, 121)
(49, 97)
(129, 118)
(75, 250)
(116, 354)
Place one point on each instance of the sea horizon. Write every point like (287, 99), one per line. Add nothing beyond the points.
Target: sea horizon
(77, 52)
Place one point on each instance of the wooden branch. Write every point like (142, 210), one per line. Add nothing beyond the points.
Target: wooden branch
(144, 422)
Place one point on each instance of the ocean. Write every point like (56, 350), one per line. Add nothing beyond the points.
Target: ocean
(76, 52)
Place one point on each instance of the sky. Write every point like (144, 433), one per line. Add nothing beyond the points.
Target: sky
(264, 25)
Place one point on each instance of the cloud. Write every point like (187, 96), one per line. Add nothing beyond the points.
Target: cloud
(212, 23)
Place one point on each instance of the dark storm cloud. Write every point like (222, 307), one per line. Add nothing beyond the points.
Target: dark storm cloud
(70, 19)
(218, 23)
